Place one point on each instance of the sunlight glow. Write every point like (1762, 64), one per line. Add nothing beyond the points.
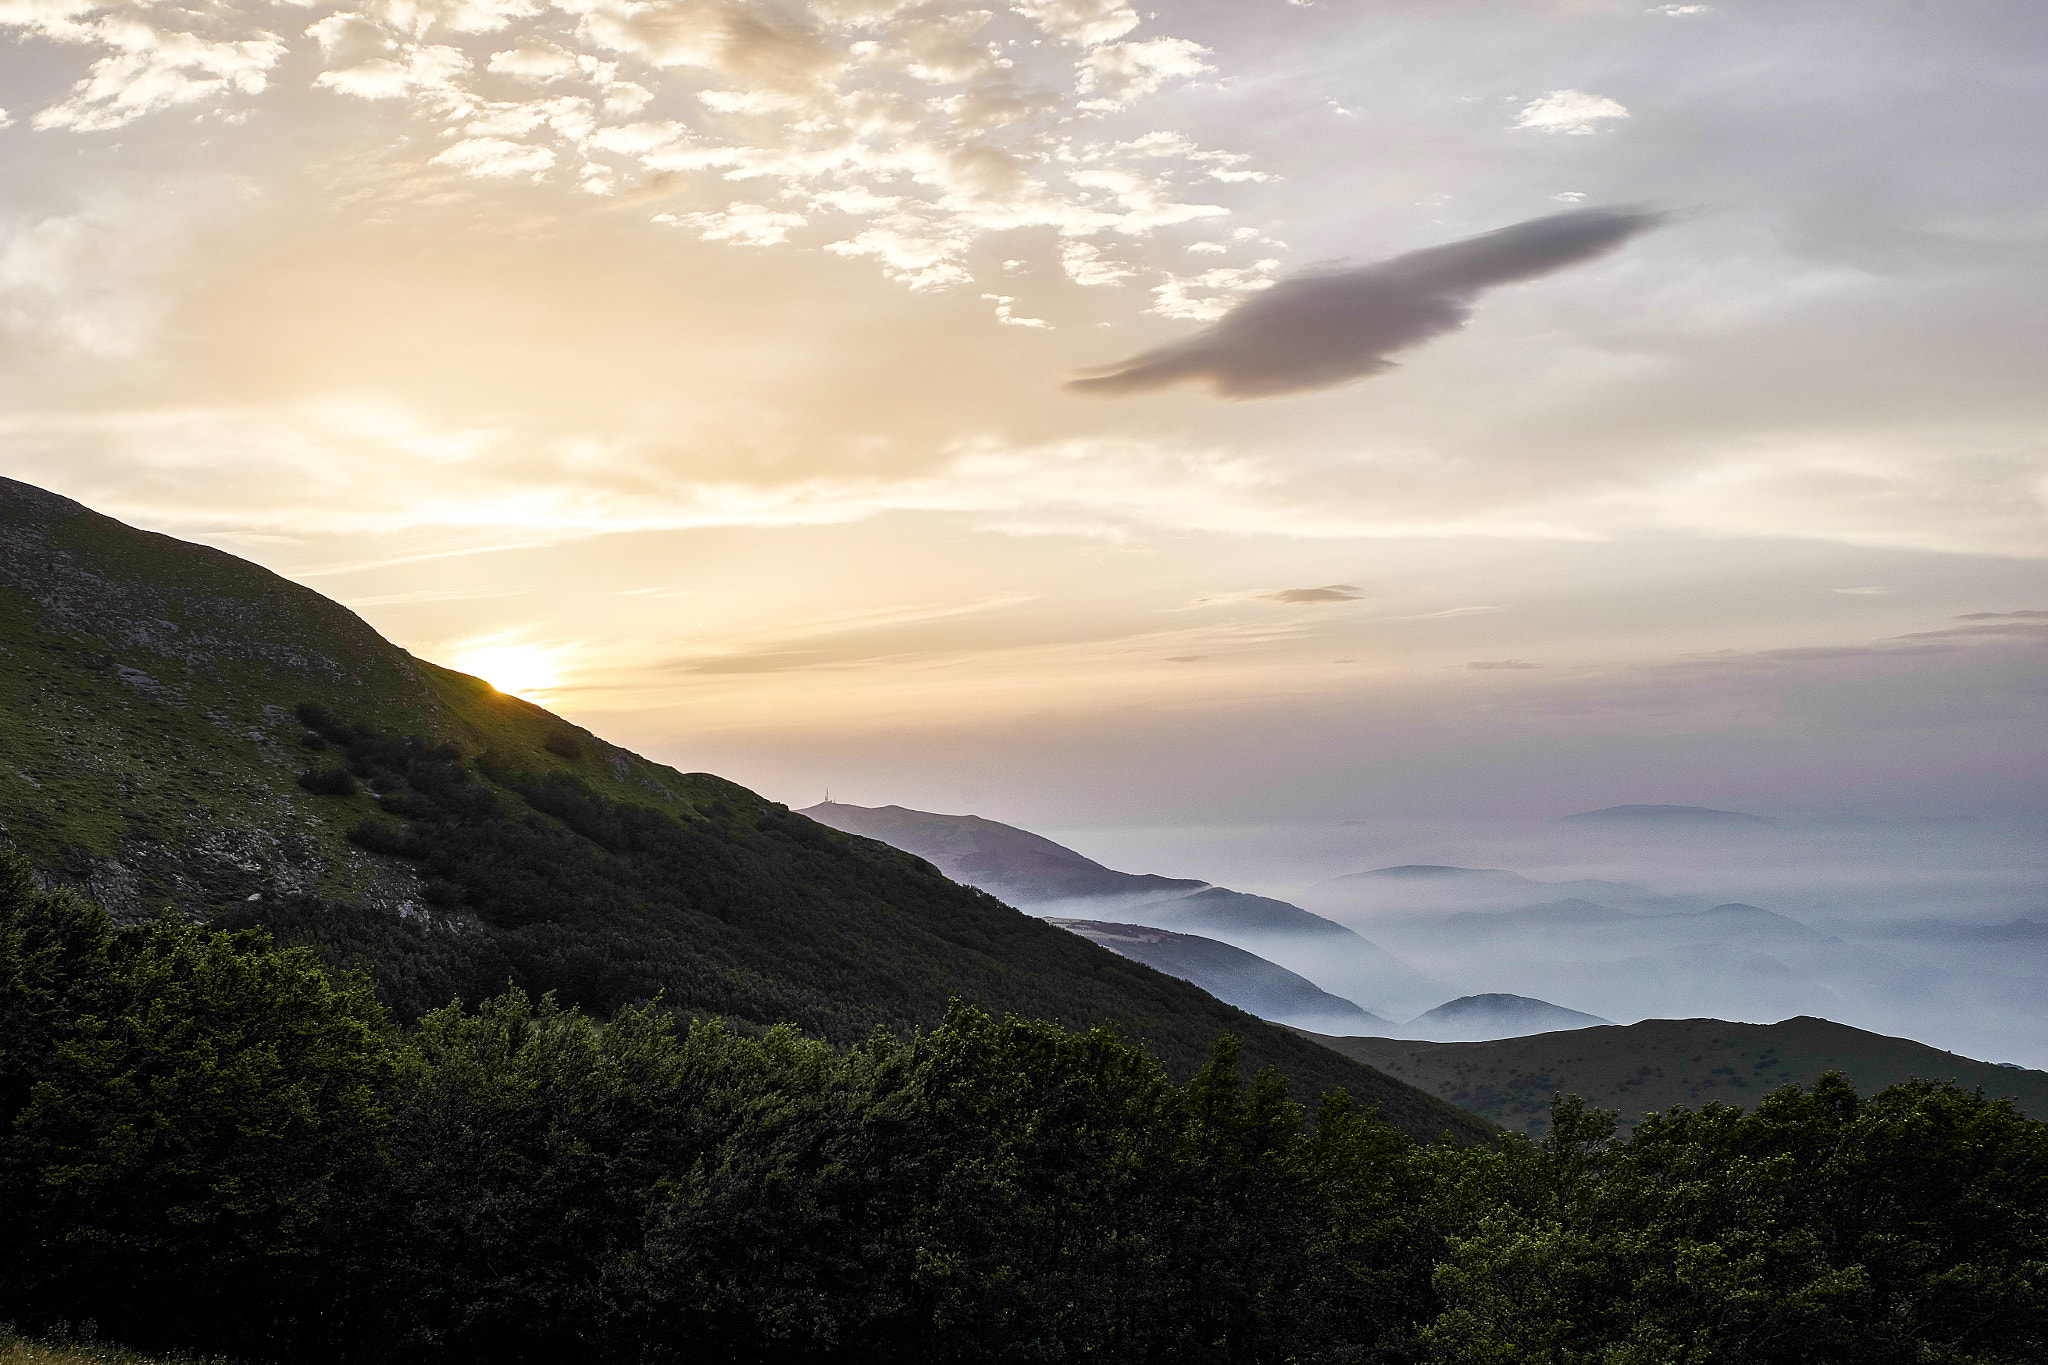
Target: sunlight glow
(529, 671)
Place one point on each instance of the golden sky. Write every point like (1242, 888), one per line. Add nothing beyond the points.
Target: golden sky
(697, 366)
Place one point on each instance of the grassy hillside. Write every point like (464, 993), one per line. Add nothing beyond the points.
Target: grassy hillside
(161, 702)
(1641, 1068)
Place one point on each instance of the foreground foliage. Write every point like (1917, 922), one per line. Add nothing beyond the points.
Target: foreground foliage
(211, 1144)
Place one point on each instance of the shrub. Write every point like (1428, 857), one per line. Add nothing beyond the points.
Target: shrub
(379, 836)
(562, 744)
(329, 782)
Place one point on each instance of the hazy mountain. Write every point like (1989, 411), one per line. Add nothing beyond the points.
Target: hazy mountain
(1233, 975)
(1020, 867)
(1476, 1018)
(1418, 887)
(1667, 816)
(1732, 923)
(1031, 871)
(180, 727)
(1731, 960)
(1658, 1063)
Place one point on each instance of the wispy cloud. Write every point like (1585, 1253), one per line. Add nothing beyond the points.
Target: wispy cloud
(1335, 592)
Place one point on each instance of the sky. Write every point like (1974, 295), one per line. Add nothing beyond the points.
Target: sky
(1228, 413)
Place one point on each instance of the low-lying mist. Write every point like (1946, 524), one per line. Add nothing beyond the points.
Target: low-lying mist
(1934, 929)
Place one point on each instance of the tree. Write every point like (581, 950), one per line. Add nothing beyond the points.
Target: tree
(176, 1118)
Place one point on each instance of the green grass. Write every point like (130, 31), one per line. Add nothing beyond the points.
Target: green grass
(83, 1350)
(147, 743)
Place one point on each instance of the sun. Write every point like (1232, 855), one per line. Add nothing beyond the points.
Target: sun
(529, 671)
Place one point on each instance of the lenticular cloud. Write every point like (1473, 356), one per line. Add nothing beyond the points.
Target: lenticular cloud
(1331, 327)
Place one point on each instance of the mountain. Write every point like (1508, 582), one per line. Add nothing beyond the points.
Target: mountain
(1012, 864)
(1670, 816)
(180, 727)
(1032, 872)
(1477, 1018)
(1243, 979)
(1638, 1068)
(1419, 887)
(1729, 960)
(1734, 923)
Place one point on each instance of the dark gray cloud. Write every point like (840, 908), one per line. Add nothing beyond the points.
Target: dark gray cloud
(1330, 327)
(1335, 592)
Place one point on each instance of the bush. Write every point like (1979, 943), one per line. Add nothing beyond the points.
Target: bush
(562, 744)
(379, 836)
(329, 782)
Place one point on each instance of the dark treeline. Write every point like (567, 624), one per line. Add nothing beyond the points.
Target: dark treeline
(211, 1143)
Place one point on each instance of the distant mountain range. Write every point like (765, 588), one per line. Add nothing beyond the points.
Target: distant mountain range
(1658, 1063)
(1231, 974)
(1272, 992)
(180, 727)
(1418, 886)
(1613, 948)
(1032, 872)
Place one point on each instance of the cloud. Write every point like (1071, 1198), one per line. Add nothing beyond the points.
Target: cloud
(744, 224)
(1568, 111)
(934, 127)
(1996, 625)
(497, 158)
(1326, 328)
(1508, 664)
(1335, 592)
(1449, 612)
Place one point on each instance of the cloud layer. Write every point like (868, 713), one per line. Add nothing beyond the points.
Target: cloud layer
(1331, 327)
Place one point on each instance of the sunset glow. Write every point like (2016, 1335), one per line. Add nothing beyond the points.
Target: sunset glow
(1488, 404)
(529, 671)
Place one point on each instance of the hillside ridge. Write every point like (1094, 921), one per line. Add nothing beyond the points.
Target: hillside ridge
(181, 728)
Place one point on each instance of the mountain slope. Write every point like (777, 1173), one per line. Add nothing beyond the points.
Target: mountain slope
(1243, 979)
(1012, 864)
(1030, 870)
(1638, 1068)
(160, 703)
